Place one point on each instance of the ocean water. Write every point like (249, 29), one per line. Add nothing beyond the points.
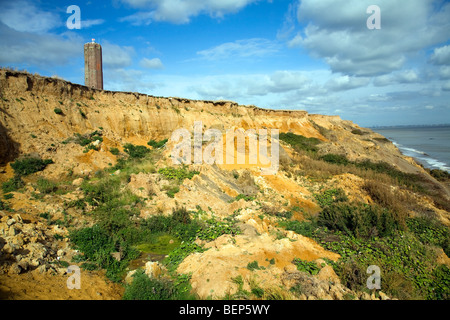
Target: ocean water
(428, 145)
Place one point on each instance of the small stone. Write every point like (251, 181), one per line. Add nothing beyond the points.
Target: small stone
(15, 269)
(77, 182)
(12, 231)
(10, 222)
(383, 296)
(23, 264)
(129, 277)
(290, 268)
(153, 269)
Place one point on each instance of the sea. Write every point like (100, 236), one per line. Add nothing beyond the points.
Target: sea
(429, 145)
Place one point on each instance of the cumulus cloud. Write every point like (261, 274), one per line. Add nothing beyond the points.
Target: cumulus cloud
(24, 16)
(336, 31)
(115, 56)
(180, 11)
(90, 23)
(247, 48)
(404, 76)
(441, 56)
(346, 83)
(154, 63)
(38, 49)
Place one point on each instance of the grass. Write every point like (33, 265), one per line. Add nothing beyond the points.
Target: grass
(178, 174)
(299, 142)
(46, 186)
(116, 228)
(366, 235)
(144, 288)
(13, 184)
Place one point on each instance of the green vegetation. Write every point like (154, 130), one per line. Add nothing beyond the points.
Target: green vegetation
(366, 235)
(13, 184)
(136, 152)
(242, 196)
(29, 165)
(439, 174)
(85, 139)
(114, 151)
(3, 206)
(46, 186)
(358, 132)
(58, 111)
(254, 266)
(299, 142)
(407, 179)
(116, 229)
(145, 288)
(178, 174)
(157, 144)
(330, 196)
(306, 266)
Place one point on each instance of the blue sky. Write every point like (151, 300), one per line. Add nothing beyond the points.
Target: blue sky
(311, 55)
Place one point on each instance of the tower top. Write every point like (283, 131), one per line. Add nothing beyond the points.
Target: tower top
(93, 40)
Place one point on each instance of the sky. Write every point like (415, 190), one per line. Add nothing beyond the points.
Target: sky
(318, 56)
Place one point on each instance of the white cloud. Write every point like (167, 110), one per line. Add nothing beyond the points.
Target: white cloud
(43, 50)
(446, 86)
(441, 56)
(429, 107)
(24, 16)
(90, 23)
(346, 83)
(154, 63)
(404, 76)
(115, 56)
(336, 32)
(247, 48)
(444, 72)
(181, 11)
(130, 80)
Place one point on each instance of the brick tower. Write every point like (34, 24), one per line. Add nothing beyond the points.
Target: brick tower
(93, 69)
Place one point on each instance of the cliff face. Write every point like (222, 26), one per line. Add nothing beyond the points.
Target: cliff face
(28, 105)
(41, 116)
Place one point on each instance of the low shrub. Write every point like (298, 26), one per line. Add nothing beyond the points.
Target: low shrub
(306, 266)
(178, 174)
(430, 232)
(46, 186)
(360, 220)
(335, 158)
(29, 165)
(145, 288)
(299, 142)
(181, 215)
(157, 144)
(136, 151)
(13, 184)
(330, 196)
(439, 174)
(114, 151)
(58, 111)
